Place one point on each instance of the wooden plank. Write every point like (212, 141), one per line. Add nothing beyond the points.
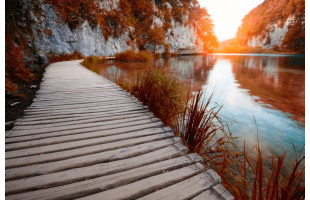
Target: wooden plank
(82, 108)
(86, 160)
(103, 183)
(89, 135)
(84, 104)
(50, 99)
(53, 86)
(21, 136)
(64, 88)
(42, 158)
(80, 120)
(122, 110)
(81, 126)
(43, 104)
(217, 192)
(82, 143)
(77, 174)
(73, 119)
(187, 188)
(102, 108)
(148, 185)
(83, 91)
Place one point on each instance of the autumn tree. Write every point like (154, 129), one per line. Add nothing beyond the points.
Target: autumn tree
(276, 12)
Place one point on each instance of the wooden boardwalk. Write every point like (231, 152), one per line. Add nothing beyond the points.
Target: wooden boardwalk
(83, 137)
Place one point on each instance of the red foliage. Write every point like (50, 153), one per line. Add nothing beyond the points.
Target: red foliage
(276, 11)
(156, 35)
(15, 69)
(49, 31)
(64, 57)
(137, 18)
(131, 56)
(75, 12)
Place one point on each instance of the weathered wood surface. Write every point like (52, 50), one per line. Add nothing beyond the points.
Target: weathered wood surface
(83, 137)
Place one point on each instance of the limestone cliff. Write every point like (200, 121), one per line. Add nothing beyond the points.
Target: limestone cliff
(277, 24)
(103, 27)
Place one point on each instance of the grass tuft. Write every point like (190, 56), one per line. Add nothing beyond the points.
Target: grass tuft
(92, 61)
(161, 93)
(132, 56)
(247, 177)
(198, 124)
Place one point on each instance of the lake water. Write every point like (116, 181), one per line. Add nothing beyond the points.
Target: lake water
(269, 88)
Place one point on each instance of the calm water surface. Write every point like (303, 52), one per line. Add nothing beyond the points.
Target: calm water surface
(269, 87)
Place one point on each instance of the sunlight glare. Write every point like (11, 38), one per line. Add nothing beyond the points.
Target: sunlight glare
(228, 14)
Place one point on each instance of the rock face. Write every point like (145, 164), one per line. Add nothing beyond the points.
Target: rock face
(58, 38)
(84, 39)
(274, 36)
(277, 24)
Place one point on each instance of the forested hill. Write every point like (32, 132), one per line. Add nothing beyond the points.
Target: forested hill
(277, 24)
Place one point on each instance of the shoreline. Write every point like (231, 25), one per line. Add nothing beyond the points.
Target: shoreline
(15, 105)
(231, 53)
(264, 53)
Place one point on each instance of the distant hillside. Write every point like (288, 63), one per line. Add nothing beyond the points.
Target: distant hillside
(277, 24)
(225, 43)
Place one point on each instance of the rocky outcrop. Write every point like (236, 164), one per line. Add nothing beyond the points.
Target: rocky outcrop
(273, 36)
(52, 36)
(277, 24)
(84, 39)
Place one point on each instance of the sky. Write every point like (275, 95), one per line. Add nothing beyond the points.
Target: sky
(228, 14)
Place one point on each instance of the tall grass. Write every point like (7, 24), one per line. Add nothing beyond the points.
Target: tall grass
(164, 95)
(255, 180)
(247, 177)
(132, 56)
(92, 61)
(199, 125)
(204, 132)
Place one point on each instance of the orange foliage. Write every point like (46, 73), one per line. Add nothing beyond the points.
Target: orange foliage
(64, 57)
(75, 12)
(137, 14)
(49, 31)
(200, 18)
(15, 69)
(156, 35)
(131, 56)
(295, 38)
(276, 11)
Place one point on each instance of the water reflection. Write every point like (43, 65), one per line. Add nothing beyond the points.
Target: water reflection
(242, 86)
(269, 87)
(277, 81)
